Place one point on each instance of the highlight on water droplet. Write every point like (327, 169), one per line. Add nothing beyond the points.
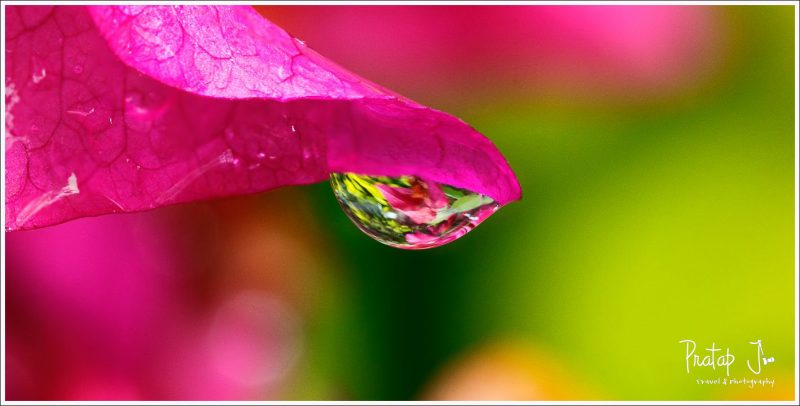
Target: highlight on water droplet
(38, 75)
(410, 212)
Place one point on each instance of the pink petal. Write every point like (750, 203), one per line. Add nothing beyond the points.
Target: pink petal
(121, 108)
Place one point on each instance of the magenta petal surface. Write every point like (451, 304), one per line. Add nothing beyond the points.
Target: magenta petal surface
(121, 108)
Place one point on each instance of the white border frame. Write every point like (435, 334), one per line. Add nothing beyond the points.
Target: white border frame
(297, 3)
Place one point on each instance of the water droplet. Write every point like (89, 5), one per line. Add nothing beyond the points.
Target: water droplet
(77, 69)
(38, 76)
(261, 155)
(409, 212)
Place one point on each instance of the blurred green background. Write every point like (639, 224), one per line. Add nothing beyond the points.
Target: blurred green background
(642, 223)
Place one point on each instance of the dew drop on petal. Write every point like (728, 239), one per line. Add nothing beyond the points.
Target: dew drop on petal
(409, 212)
(38, 75)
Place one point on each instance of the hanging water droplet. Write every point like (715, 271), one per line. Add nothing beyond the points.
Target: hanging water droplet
(409, 212)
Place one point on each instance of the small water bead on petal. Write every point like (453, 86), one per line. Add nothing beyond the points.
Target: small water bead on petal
(38, 75)
(410, 212)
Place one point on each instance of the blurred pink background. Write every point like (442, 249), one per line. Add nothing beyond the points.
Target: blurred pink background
(200, 301)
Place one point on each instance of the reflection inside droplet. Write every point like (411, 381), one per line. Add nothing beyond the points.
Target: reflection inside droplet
(410, 212)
